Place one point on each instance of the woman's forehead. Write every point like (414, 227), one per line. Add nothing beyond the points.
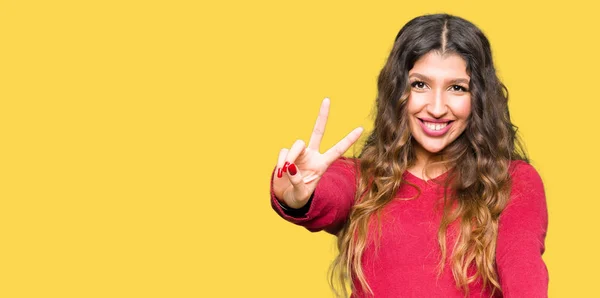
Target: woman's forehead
(435, 65)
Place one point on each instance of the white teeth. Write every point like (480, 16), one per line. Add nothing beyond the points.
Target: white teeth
(435, 126)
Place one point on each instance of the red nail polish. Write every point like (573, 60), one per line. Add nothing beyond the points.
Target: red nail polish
(279, 173)
(285, 166)
(293, 169)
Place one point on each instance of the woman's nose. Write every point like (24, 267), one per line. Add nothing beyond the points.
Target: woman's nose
(437, 107)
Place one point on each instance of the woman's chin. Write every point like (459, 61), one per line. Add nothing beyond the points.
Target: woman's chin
(433, 148)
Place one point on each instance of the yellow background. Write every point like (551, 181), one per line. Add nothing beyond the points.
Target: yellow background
(137, 137)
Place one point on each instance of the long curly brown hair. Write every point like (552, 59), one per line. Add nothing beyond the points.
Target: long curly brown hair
(478, 159)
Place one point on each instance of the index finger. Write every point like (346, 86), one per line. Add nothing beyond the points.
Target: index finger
(319, 129)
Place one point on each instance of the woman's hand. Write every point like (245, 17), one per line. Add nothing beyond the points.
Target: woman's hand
(300, 168)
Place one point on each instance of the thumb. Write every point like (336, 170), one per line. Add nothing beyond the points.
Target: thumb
(300, 190)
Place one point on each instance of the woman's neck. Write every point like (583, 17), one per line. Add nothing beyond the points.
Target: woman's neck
(425, 161)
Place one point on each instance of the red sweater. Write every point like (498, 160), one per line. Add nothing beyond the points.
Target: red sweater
(405, 265)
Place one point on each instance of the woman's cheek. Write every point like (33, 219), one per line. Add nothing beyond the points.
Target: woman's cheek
(462, 107)
(416, 101)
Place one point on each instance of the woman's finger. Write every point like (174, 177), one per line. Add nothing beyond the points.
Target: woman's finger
(342, 146)
(294, 152)
(319, 129)
(280, 162)
(300, 193)
(294, 175)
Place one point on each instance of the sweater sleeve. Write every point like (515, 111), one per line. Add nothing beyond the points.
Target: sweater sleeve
(521, 235)
(331, 201)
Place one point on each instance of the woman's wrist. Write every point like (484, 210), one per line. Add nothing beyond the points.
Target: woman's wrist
(296, 212)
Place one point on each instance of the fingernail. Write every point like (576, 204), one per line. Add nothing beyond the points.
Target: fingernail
(285, 166)
(292, 169)
(279, 173)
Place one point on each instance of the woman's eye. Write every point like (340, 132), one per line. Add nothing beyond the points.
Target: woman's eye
(458, 88)
(418, 84)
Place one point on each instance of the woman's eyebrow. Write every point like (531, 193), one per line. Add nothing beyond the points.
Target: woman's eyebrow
(419, 76)
(426, 78)
(459, 80)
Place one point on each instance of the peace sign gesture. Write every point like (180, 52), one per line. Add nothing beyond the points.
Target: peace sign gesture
(300, 168)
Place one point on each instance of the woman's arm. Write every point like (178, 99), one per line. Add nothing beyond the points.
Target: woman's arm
(330, 203)
(521, 234)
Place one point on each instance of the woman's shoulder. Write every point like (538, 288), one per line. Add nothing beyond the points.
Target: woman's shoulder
(525, 179)
(522, 169)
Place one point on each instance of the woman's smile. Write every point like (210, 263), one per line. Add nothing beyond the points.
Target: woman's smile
(435, 128)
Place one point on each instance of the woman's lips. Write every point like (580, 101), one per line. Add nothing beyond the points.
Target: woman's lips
(435, 128)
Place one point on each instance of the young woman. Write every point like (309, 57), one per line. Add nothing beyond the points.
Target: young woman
(442, 201)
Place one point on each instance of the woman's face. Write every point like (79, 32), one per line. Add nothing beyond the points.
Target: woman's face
(439, 102)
